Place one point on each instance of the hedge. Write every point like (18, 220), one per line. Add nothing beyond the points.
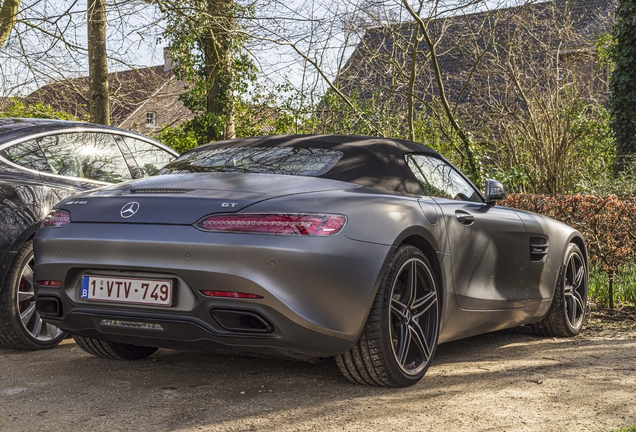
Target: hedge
(607, 223)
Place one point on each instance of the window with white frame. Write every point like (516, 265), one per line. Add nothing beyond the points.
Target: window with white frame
(151, 119)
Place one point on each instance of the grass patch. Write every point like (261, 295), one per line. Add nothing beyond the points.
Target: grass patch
(627, 429)
(624, 287)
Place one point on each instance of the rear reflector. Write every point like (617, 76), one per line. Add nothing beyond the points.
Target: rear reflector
(52, 283)
(277, 224)
(57, 218)
(232, 294)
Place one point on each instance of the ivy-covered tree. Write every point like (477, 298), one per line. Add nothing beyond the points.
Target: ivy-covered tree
(8, 13)
(99, 98)
(207, 50)
(623, 84)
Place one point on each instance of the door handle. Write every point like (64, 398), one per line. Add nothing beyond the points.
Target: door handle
(464, 218)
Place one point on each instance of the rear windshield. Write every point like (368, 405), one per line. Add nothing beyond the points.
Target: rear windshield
(273, 160)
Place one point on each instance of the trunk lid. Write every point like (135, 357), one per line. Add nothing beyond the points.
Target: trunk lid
(182, 199)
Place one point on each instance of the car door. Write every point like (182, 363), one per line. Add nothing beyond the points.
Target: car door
(488, 243)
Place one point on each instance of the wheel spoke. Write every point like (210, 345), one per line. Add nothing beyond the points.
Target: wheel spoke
(579, 302)
(37, 327)
(404, 343)
(25, 295)
(579, 277)
(52, 331)
(571, 271)
(425, 304)
(418, 336)
(399, 305)
(410, 288)
(571, 309)
(26, 315)
(27, 274)
(397, 310)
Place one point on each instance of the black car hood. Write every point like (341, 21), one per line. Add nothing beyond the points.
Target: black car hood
(182, 199)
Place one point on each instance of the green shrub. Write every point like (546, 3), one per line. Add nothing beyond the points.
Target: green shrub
(17, 109)
(624, 286)
(627, 429)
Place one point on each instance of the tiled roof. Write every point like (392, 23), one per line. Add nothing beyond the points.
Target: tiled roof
(367, 70)
(128, 90)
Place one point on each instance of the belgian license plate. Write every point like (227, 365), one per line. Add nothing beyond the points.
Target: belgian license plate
(156, 292)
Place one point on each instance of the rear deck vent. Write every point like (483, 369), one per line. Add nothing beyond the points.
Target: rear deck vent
(160, 191)
(538, 248)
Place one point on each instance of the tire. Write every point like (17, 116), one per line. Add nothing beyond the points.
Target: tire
(399, 340)
(21, 326)
(113, 350)
(569, 305)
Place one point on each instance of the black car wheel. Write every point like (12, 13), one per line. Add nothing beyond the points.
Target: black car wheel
(567, 312)
(399, 340)
(21, 326)
(113, 350)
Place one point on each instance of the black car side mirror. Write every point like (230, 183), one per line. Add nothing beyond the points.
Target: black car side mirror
(494, 191)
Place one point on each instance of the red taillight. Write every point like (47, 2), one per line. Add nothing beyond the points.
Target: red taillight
(51, 283)
(232, 294)
(57, 218)
(279, 224)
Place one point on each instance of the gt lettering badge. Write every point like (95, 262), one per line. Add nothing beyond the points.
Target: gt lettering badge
(232, 205)
(129, 210)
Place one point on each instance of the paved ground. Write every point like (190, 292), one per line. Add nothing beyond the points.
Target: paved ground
(509, 380)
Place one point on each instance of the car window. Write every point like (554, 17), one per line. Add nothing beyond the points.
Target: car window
(94, 156)
(441, 180)
(27, 154)
(270, 160)
(149, 157)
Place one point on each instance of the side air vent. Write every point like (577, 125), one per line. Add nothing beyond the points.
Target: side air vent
(160, 191)
(538, 248)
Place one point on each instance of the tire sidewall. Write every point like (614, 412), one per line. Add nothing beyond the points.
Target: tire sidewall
(10, 311)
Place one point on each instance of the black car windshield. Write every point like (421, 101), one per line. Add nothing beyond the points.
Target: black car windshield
(272, 160)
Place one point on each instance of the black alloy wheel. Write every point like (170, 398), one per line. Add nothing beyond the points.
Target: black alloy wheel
(569, 305)
(21, 326)
(400, 337)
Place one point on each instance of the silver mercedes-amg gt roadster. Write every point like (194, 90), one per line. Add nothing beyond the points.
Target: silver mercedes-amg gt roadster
(371, 250)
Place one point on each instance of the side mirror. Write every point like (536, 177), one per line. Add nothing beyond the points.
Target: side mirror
(494, 191)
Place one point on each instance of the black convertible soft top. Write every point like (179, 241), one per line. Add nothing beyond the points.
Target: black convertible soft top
(367, 161)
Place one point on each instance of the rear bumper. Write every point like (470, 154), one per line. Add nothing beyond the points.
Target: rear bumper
(197, 330)
(316, 291)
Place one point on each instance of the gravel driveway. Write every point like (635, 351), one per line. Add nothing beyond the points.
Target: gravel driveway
(509, 380)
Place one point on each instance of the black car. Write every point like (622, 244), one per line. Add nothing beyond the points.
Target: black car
(41, 163)
(368, 249)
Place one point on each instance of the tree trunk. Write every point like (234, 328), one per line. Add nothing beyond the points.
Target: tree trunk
(610, 289)
(99, 107)
(8, 13)
(217, 47)
(412, 80)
